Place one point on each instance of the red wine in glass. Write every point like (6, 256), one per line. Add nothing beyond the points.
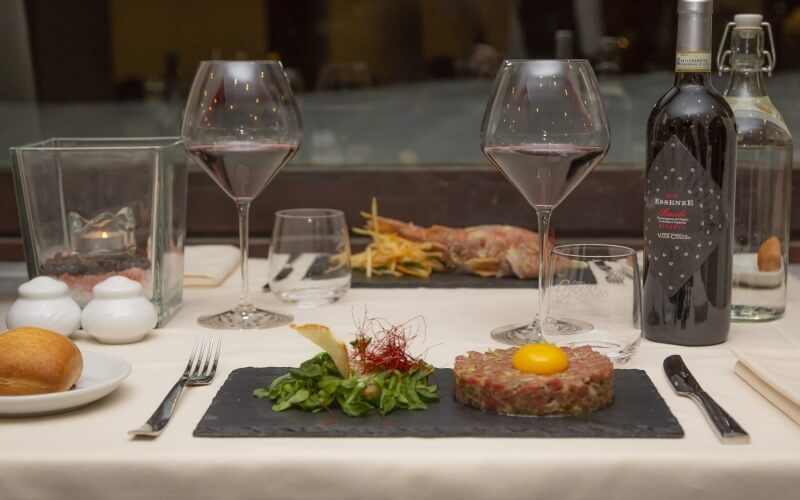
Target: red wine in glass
(243, 169)
(544, 173)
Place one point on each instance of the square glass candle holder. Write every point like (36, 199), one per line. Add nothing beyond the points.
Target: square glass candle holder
(94, 208)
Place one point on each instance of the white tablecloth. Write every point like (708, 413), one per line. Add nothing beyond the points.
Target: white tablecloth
(86, 454)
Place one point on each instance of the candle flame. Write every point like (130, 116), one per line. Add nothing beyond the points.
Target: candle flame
(104, 235)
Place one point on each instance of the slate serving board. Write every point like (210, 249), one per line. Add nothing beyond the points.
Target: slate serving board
(438, 280)
(638, 411)
(453, 279)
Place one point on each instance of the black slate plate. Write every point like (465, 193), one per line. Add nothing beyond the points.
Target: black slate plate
(452, 279)
(638, 411)
(438, 280)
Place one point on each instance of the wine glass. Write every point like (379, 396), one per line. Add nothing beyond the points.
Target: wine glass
(242, 123)
(544, 128)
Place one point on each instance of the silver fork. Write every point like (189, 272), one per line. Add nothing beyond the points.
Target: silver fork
(200, 370)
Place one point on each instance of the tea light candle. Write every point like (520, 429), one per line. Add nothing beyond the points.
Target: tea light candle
(101, 242)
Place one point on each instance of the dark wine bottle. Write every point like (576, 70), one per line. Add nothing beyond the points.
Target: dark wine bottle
(689, 195)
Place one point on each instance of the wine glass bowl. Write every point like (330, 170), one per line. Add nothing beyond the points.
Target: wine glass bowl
(544, 129)
(242, 123)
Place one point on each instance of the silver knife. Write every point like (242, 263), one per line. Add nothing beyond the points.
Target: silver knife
(728, 430)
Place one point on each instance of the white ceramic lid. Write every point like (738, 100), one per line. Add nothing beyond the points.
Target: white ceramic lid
(117, 287)
(43, 287)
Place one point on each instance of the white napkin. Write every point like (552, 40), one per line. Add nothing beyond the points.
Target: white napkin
(775, 373)
(208, 265)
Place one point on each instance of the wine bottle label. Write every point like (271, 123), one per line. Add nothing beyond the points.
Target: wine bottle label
(692, 62)
(684, 215)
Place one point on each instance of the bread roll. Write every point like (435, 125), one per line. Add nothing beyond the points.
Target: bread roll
(37, 361)
(770, 255)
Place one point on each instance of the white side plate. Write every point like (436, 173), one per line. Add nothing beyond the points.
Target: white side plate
(102, 373)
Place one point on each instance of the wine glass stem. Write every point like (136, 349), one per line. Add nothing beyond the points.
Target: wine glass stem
(543, 214)
(244, 212)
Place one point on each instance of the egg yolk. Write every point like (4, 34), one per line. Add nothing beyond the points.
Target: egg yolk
(542, 359)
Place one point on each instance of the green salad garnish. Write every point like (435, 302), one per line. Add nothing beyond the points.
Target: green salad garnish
(317, 384)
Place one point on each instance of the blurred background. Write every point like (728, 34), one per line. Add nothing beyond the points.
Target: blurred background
(379, 82)
(392, 93)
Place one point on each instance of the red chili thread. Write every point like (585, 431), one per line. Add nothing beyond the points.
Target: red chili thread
(380, 346)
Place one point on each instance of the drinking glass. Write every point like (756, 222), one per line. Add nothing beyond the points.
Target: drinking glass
(242, 123)
(545, 129)
(600, 285)
(309, 256)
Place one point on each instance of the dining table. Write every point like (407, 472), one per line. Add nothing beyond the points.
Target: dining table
(86, 453)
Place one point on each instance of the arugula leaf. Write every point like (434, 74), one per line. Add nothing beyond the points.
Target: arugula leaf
(299, 396)
(427, 392)
(357, 408)
(282, 405)
(330, 383)
(306, 371)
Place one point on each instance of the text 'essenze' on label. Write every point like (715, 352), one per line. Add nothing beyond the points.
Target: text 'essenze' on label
(679, 203)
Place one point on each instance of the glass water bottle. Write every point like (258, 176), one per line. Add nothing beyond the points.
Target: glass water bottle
(763, 174)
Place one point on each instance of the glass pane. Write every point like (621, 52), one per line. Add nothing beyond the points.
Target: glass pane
(378, 81)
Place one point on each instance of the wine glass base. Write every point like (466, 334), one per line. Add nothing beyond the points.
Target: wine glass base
(244, 318)
(618, 352)
(518, 335)
(528, 333)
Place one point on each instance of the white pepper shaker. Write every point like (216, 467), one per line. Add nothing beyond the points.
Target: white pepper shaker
(45, 302)
(119, 313)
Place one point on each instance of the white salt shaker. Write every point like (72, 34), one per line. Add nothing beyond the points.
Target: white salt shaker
(44, 302)
(119, 313)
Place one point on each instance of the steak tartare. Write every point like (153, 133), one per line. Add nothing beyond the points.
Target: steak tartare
(488, 381)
